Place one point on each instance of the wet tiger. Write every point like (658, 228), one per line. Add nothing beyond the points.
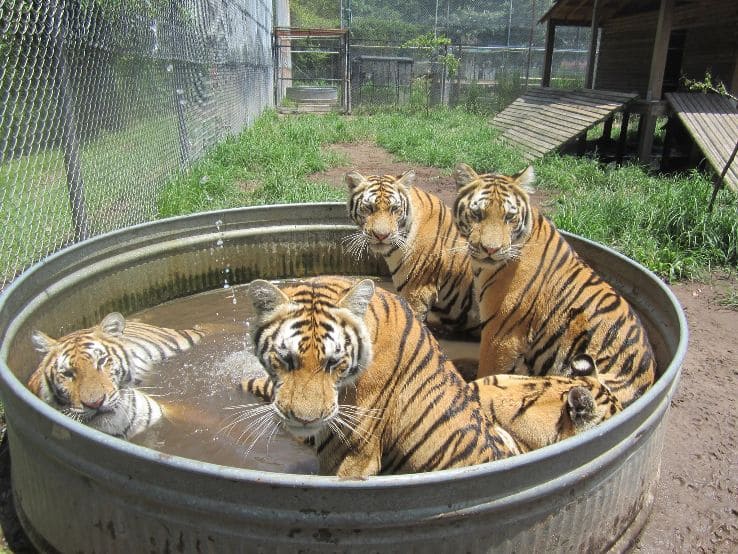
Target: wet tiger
(90, 374)
(414, 231)
(540, 303)
(351, 367)
(538, 411)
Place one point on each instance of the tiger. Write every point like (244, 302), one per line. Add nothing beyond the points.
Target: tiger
(539, 411)
(540, 304)
(352, 370)
(90, 374)
(415, 233)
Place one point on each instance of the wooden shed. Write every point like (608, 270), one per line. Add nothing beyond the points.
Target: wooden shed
(646, 45)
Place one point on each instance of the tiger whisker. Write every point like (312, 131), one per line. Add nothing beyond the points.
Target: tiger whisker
(255, 426)
(334, 426)
(268, 424)
(240, 417)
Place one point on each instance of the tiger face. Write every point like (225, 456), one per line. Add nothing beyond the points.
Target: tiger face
(380, 207)
(309, 359)
(492, 212)
(82, 373)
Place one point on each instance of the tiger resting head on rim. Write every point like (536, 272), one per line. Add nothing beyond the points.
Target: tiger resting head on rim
(90, 374)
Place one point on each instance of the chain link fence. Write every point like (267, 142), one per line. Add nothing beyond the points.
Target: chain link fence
(101, 102)
(497, 45)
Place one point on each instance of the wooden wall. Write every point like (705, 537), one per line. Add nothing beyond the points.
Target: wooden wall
(711, 42)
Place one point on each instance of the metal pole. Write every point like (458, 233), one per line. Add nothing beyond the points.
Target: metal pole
(178, 86)
(717, 185)
(70, 141)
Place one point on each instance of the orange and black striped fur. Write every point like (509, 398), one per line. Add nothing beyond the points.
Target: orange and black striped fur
(90, 375)
(351, 367)
(415, 233)
(540, 303)
(538, 411)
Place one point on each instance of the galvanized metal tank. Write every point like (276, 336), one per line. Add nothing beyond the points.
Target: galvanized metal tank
(78, 490)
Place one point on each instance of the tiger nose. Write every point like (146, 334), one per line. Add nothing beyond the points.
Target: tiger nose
(303, 420)
(491, 249)
(94, 404)
(380, 236)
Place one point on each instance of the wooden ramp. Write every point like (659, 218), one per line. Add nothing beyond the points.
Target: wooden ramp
(712, 121)
(544, 119)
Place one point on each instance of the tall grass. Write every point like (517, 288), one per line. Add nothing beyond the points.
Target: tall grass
(661, 221)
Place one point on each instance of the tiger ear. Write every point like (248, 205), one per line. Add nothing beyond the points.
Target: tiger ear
(463, 175)
(526, 178)
(407, 179)
(353, 179)
(583, 365)
(357, 299)
(264, 296)
(113, 324)
(42, 342)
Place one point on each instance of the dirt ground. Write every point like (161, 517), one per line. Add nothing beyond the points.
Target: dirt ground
(696, 505)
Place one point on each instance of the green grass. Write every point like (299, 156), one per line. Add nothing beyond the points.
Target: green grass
(661, 221)
(123, 172)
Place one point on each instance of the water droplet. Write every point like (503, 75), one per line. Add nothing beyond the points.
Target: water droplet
(218, 224)
(170, 68)
(234, 301)
(204, 179)
(227, 270)
(219, 242)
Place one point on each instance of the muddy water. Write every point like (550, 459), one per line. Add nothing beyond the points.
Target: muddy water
(213, 421)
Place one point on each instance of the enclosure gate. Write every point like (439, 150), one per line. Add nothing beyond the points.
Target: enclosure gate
(310, 70)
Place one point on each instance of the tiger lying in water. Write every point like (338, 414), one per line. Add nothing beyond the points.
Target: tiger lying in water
(351, 368)
(540, 303)
(415, 233)
(89, 374)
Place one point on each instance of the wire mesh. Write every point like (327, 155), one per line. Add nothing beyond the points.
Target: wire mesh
(498, 46)
(102, 102)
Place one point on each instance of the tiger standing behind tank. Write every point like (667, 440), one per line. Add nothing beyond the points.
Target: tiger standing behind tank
(539, 411)
(540, 303)
(354, 369)
(90, 374)
(415, 233)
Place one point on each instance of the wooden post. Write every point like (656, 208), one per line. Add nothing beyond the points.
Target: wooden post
(548, 56)
(589, 81)
(655, 79)
(623, 137)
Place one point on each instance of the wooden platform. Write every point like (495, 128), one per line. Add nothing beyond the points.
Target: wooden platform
(712, 121)
(544, 119)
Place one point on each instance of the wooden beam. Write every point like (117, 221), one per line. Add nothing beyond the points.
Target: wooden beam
(548, 56)
(655, 78)
(660, 50)
(594, 28)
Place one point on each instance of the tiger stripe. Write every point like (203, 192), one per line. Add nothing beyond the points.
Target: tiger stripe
(540, 303)
(415, 233)
(90, 374)
(331, 347)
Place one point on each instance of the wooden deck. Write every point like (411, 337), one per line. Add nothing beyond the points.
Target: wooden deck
(544, 119)
(712, 121)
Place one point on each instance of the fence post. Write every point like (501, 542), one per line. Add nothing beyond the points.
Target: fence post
(178, 88)
(70, 141)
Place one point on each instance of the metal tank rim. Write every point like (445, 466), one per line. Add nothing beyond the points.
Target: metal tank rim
(667, 380)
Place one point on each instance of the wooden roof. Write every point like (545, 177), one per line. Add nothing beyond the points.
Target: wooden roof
(579, 12)
(544, 119)
(712, 121)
